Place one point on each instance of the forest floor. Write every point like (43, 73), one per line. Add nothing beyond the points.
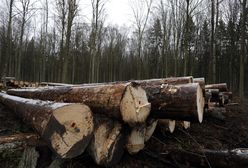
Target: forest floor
(214, 134)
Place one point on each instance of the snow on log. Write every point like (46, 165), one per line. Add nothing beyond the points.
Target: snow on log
(178, 102)
(221, 86)
(127, 102)
(167, 125)
(107, 144)
(66, 128)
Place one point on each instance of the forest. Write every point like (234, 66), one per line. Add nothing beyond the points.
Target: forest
(52, 41)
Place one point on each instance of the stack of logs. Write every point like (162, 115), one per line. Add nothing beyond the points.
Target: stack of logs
(105, 119)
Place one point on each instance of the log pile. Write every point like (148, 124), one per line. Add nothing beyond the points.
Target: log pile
(109, 118)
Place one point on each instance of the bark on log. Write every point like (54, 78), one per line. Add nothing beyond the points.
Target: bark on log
(201, 81)
(167, 125)
(178, 102)
(107, 144)
(127, 102)
(171, 81)
(18, 141)
(221, 86)
(66, 128)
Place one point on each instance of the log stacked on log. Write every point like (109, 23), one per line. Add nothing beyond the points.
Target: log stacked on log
(125, 113)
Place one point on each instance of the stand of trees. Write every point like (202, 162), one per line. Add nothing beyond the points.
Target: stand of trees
(40, 41)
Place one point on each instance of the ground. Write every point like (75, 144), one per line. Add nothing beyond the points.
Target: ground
(164, 148)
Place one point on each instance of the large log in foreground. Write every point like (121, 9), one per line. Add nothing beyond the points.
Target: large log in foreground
(179, 102)
(127, 102)
(66, 128)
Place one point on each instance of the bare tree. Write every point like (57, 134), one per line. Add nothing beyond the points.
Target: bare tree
(61, 7)
(98, 15)
(72, 11)
(141, 15)
(243, 50)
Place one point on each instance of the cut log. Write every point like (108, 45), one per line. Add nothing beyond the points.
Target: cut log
(151, 125)
(107, 144)
(216, 112)
(167, 125)
(201, 81)
(227, 97)
(171, 81)
(66, 128)
(54, 84)
(18, 141)
(213, 95)
(178, 102)
(185, 124)
(127, 102)
(136, 140)
(139, 135)
(221, 86)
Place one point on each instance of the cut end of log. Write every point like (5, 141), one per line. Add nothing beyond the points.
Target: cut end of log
(200, 103)
(166, 123)
(73, 130)
(186, 124)
(136, 140)
(106, 147)
(150, 128)
(135, 107)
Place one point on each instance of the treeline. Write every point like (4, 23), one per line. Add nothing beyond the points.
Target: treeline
(51, 42)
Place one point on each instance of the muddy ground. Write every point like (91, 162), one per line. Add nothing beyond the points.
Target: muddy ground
(163, 150)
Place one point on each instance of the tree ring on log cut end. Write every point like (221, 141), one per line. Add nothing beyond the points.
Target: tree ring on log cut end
(134, 106)
(73, 130)
(200, 103)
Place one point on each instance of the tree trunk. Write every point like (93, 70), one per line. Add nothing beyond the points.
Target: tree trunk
(127, 102)
(67, 128)
(243, 51)
(107, 144)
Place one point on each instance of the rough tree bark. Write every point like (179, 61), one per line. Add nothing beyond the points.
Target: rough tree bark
(66, 128)
(127, 102)
(179, 102)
